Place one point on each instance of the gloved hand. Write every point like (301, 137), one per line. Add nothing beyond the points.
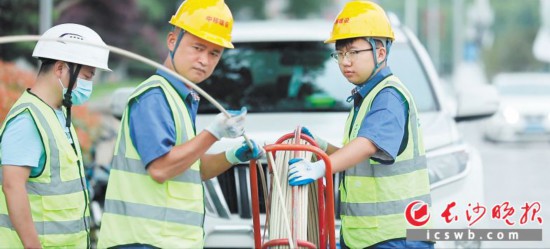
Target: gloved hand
(243, 153)
(321, 142)
(228, 127)
(301, 172)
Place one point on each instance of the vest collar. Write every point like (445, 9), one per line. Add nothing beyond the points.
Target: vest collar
(179, 85)
(360, 91)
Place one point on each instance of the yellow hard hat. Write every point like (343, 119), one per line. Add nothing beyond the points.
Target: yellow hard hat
(210, 20)
(361, 19)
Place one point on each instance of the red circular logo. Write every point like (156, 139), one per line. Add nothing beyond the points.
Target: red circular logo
(417, 213)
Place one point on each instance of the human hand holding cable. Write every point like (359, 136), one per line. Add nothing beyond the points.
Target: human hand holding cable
(320, 142)
(229, 127)
(301, 172)
(244, 153)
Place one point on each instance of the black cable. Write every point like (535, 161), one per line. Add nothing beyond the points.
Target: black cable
(85, 206)
(67, 97)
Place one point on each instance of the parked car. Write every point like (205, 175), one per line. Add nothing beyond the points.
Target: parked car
(282, 72)
(524, 114)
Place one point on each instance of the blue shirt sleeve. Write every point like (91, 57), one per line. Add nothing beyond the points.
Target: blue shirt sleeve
(384, 124)
(152, 127)
(21, 144)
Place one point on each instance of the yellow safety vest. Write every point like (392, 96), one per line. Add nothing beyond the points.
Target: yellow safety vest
(141, 210)
(56, 196)
(374, 196)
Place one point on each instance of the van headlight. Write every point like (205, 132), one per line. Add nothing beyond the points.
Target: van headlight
(447, 164)
(511, 115)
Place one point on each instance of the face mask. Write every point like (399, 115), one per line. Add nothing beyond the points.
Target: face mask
(81, 93)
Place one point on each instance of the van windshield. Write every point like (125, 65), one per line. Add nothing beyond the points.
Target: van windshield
(298, 77)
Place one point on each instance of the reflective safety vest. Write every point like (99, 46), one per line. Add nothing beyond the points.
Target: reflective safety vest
(374, 196)
(56, 196)
(141, 210)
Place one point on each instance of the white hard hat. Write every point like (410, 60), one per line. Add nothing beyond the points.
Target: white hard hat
(89, 49)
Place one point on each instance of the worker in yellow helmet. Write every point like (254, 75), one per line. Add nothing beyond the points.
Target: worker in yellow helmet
(155, 196)
(43, 195)
(383, 157)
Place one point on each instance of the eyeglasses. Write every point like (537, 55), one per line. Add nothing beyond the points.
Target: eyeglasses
(351, 55)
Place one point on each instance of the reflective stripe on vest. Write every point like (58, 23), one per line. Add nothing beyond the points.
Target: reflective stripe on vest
(155, 213)
(136, 166)
(48, 227)
(374, 196)
(168, 215)
(56, 196)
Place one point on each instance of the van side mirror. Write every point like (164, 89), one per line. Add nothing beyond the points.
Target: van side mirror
(475, 101)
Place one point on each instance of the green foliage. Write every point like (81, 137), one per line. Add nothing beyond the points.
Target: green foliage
(157, 11)
(396, 7)
(306, 8)
(515, 27)
(445, 29)
(134, 25)
(247, 9)
(13, 22)
(105, 89)
(141, 26)
(115, 21)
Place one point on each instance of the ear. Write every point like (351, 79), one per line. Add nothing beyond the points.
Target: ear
(58, 67)
(171, 40)
(381, 53)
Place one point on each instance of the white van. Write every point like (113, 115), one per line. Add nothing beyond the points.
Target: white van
(283, 73)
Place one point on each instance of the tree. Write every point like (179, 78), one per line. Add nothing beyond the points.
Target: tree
(516, 25)
(115, 21)
(306, 8)
(13, 22)
(247, 9)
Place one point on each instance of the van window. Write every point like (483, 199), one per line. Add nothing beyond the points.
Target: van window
(299, 77)
(278, 77)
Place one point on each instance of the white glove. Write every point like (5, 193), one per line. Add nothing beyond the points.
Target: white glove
(301, 172)
(228, 127)
(320, 142)
(243, 153)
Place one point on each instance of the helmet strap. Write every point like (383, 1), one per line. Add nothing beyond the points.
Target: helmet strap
(388, 47)
(67, 98)
(375, 58)
(173, 52)
(178, 40)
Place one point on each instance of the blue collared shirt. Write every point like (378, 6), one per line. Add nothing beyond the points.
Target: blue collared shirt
(21, 132)
(152, 127)
(384, 124)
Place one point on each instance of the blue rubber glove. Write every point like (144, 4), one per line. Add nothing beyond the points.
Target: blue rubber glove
(228, 127)
(321, 142)
(243, 153)
(301, 172)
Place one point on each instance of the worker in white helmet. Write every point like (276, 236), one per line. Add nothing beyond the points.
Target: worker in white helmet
(155, 195)
(43, 202)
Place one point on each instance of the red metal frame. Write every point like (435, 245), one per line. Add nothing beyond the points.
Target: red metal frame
(326, 216)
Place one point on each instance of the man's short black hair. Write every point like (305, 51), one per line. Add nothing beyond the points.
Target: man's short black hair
(45, 65)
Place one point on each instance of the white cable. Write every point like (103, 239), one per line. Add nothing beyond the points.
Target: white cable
(280, 196)
(131, 55)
